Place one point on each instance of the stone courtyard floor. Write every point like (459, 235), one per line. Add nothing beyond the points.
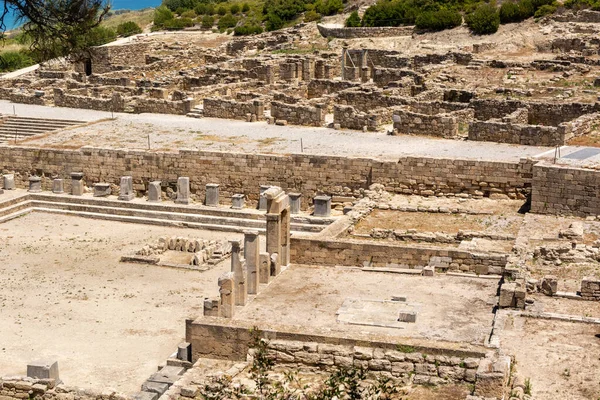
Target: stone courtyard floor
(65, 295)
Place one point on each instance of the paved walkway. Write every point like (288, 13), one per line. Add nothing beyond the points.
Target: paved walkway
(170, 132)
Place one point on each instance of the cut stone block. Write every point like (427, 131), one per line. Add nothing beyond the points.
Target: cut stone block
(145, 396)
(549, 285)
(9, 182)
(126, 192)
(264, 268)
(43, 369)
(211, 307)
(295, 202)
(262, 200)
(77, 183)
(252, 256)
(428, 270)
(102, 189)
(237, 201)
(184, 351)
(183, 190)
(322, 206)
(155, 387)
(35, 184)
(212, 195)
(154, 192)
(407, 316)
(58, 186)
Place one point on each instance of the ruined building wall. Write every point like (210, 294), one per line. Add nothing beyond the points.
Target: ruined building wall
(442, 125)
(116, 103)
(222, 108)
(383, 76)
(157, 106)
(299, 114)
(348, 118)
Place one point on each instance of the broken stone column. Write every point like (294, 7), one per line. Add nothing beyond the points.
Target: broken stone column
(295, 202)
(183, 190)
(275, 265)
(154, 192)
(227, 292)
(58, 186)
(549, 285)
(239, 274)
(43, 369)
(264, 268)
(322, 206)
(212, 195)
(184, 351)
(211, 307)
(262, 201)
(126, 192)
(251, 255)
(237, 201)
(102, 189)
(35, 184)
(9, 182)
(273, 235)
(77, 183)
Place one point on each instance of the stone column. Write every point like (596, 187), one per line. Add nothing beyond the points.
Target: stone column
(322, 206)
(154, 192)
(212, 195)
(239, 274)
(237, 201)
(275, 265)
(183, 190)
(126, 192)
(252, 255)
(264, 268)
(35, 184)
(227, 292)
(77, 183)
(262, 200)
(212, 307)
(295, 202)
(9, 182)
(284, 254)
(57, 186)
(273, 233)
(344, 51)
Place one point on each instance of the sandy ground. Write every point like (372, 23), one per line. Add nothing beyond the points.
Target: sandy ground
(65, 295)
(449, 308)
(560, 358)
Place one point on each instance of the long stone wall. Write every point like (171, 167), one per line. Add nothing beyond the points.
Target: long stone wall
(320, 87)
(443, 125)
(356, 252)
(115, 103)
(221, 108)
(501, 132)
(348, 118)
(383, 76)
(21, 387)
(182, 107)
(560, 189)
(244, 173)
(299, 114)
(361, 32)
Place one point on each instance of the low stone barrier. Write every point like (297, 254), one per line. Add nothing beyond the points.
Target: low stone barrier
(348, 118)
(443, 125)
(361, 32)
(299, 114)
(143, 105)
(231, 109)
(116, 103)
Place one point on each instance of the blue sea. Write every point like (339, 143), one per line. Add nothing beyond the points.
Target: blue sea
(115, 5)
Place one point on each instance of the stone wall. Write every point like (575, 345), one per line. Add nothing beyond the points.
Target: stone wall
(19, 388)
(364, 32)
(244, 173)
(356, 252)
(590, 288)
(115, 103)
(231, 109)
(501, 132)
(348, 118)
(299, 114)
(321, 87)
(443, 125)
(367, 99)
(108, 58)
(143, 105)
(561, 189)
(383, 76)
(108, 81)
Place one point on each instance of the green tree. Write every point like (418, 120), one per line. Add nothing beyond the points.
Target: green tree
(485, 20)
(226, 21)
(245, 7)
(353, 20)
(161, 15)
(128, 28)
(234, 9)
(13, 60)
(208, 21)
(221, 10)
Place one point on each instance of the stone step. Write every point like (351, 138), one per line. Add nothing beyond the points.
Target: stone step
(49, 120)
(39, 122)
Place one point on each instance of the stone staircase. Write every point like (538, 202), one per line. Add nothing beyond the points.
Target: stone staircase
(197, 112)
(476, 64)
(20, 127)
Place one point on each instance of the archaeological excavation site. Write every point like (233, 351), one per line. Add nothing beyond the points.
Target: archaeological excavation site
(316, 212)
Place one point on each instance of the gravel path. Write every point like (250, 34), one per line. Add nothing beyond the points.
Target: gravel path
(171, 132)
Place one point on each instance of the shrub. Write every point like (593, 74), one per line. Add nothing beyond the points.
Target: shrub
(235, 9)
(278, 12)
(100, 35)
(189, 14)
(510, 12)
(161, 15)
(13, 60)
(200, 9)
(484, 20)
(438, 20)
(245, 7)
(353, 20)
(226, 21)
(391, 13)
(178, 24)
(544, 10)
(210, 9)
(221, 10)
(208, 21)
(247, 29)
(128, 28)
(311, 16)
(328, 7)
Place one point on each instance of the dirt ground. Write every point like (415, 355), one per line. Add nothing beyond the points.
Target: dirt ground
(65, 296)
(560, 358)
(449, 308)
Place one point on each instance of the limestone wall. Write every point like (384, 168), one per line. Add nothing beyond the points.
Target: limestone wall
(108, 81)
(361, 32)
(108, 58)
(116, 103)
(143, 105)
(368, 99)
(299, 114)
(320, 87)
(501, 132)
(355, 252)
(383, 76)
(560, 189)
(348, 118)
(590, 288)
(244, 173)
(19, 388)
(443, 125)
(231, 109)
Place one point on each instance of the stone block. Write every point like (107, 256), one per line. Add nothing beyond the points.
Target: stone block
(77, 183)
(295, 202)
(58, 186)
(262, 200)
(155, 387)
(154, 192)
(43, 369)
(189, 391)
(102, 189)
(507, 295)
(35, 184)
(126, 192)
(9, 181)
(549, 285)
(237, 201)
(428, 271)
(183, 190)
(212, 195)
(407, 316)
(322, 206)
(145, 396)
(184, 351)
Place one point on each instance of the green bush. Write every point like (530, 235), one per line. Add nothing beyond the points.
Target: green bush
(128, 28)
(13, 60)
(392, 13)
(511, 12)
(221, 10)
(328, 7)
(579, 4)
(438, 20)
(188, 14)
(235, 9)
(100, 35)
(544, 10)
(311, 16)
(208, 22)
(161, 15)
(226, 21)
(353, 20)
(278, 12)
(200, 9)
(245, 7)
(247, 29)
(210, 9)
(178, 24)
(485, 20)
